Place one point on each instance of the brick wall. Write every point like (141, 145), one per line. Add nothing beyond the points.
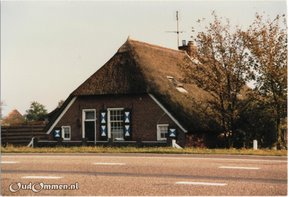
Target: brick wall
(146, 114)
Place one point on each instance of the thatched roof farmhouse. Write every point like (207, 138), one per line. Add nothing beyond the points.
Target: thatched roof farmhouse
(139, 95)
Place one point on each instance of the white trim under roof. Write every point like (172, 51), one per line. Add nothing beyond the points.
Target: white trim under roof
(169, 114)
(61, 115)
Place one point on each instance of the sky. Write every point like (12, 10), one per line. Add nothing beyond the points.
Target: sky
(49, 48)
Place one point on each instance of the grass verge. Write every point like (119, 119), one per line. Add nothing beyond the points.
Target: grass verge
(157, 150)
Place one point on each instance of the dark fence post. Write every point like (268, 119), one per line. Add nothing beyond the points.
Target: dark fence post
(35, 142)
(59, 142)
(139, 142)
(84, 141)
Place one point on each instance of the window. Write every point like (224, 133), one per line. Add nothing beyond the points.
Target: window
(66, 133)
(162, 131)
(179, 86)
(116, 123)
(90, 115)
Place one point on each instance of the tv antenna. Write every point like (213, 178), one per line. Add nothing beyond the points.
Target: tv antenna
(177, 30)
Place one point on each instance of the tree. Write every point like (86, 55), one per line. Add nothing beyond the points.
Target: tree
(221, 68)
(256, 121)
(267, 42)
(36, 112)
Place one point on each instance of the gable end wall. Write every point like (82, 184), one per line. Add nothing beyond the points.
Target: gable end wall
(146, 114)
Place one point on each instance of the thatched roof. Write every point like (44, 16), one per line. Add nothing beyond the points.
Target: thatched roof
(13, 118)
(139, 67)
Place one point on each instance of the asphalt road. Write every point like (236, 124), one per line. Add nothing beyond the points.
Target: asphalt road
(142, 174)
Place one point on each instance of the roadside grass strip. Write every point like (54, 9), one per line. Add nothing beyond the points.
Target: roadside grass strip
(239, 168)
(157, 150)
(109, 164)
(42, 177)
(9, 162)
(200, 183)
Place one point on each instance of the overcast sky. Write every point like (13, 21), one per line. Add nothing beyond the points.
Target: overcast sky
(48, 48)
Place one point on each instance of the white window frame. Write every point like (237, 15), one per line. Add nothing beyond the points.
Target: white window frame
(159, 138)
(109, 122)
(63, 134)
(90, 120)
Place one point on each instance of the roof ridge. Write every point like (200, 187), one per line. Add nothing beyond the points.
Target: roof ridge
(129, 40)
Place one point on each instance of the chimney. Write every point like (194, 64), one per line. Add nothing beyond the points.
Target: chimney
(183, 42)
(190, 48)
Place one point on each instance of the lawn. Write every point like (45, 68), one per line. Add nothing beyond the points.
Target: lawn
(156, 150)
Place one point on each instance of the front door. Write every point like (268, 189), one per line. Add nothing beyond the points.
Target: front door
(89, 124)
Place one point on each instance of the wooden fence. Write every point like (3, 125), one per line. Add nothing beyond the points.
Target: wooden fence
(21, 135)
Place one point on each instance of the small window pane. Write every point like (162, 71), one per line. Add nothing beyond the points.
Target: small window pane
(66, 133)
(162, 132)
(89, 115)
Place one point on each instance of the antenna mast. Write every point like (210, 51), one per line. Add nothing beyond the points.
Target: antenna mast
(177, 20)
(177, 30)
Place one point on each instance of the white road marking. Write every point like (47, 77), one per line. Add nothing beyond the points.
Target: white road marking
(200, 183)
(196, 158)
(109, 164)
(42, 177)
(239, 167)
(9, 162)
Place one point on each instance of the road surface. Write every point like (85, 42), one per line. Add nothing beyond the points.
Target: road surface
(142, 174)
